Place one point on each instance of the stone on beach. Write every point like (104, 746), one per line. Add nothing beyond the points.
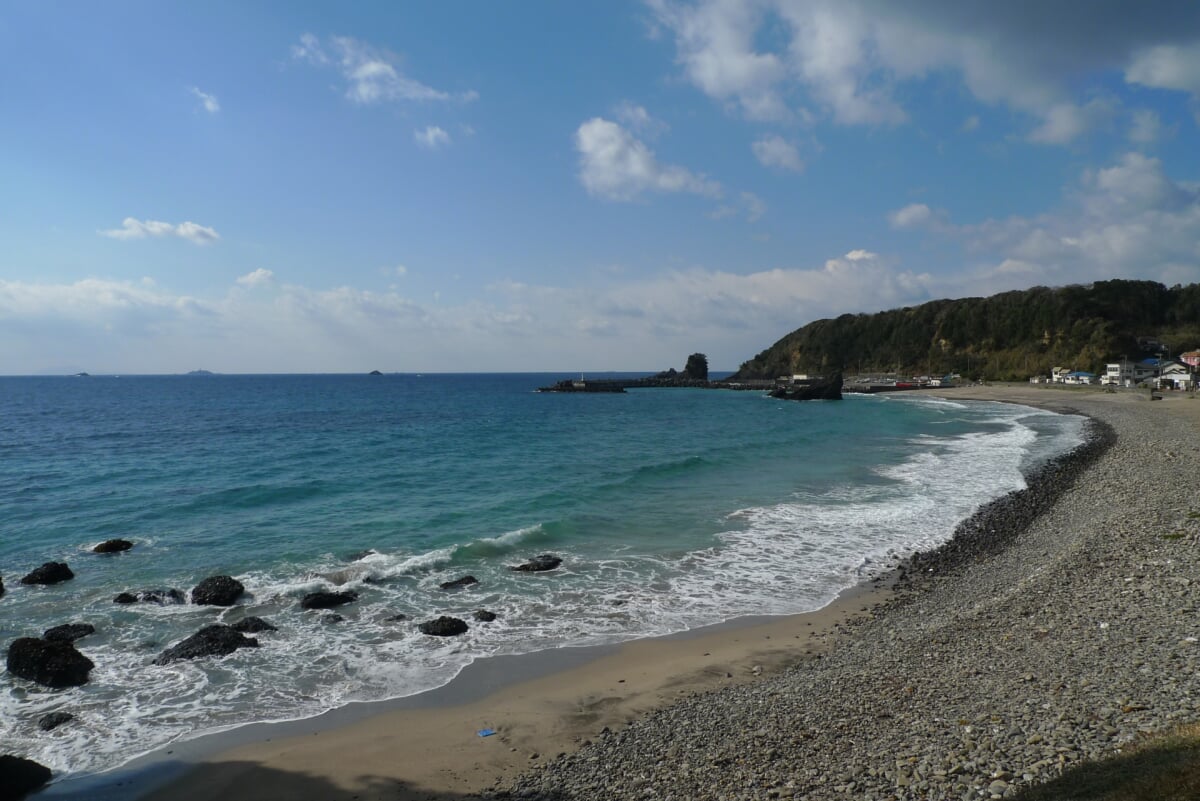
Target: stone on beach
(215, 640)
(539, 564)
(113, 546)
(217, 591)
(323, 599)
(69, 632)
(443, 626)
(20, 776)
(49, 573)
(53, 663)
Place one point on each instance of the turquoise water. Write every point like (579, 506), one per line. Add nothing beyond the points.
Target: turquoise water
(671, 508)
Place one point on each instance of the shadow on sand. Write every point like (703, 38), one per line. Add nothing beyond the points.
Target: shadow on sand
(242, 781)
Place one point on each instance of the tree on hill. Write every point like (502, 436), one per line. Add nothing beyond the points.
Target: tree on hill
(1012, 335)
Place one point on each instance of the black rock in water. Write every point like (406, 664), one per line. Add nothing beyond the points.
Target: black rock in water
(69, 632)
(218, 591)
(165, 596)
(539, 564)
(54, 663)
(443, 627)
(214, 640)
(465, 581)
(253, 625)
(113, 546)
(484, 615)
(826, 389)
(332, 617)
(20, 776)
(49, 573)
(1, 586)
(53, 720)
(396, 618)
(327, 600)
(125, 598)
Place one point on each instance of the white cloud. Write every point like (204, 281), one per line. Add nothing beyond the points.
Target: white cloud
(641, 323)
(432, 137)
(775, 151)
(132, 228)
(851, 59)
(372, 75)
(1129, 219)
(400, 271)
(858, 255)
(970, 124)
(637, 119)
(309, 49)
(1065, 122)
(1146, 127)
(715, 45)
(616, 165)
(207, 102)
(1167, 67)
(916, 215)
(259, 277)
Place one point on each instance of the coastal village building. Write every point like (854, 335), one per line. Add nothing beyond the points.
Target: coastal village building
(1191, 359)
(1176, 376)
(1118, 375)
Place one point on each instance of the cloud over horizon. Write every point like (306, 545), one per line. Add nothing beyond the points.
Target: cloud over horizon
(133, 228)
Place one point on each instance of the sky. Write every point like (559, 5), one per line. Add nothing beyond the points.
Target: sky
(276, 187)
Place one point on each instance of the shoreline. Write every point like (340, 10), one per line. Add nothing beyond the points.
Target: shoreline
(1002, 666)
(548, 703)
(545, 702)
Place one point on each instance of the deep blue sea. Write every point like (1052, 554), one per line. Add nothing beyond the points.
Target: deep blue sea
(671, 508)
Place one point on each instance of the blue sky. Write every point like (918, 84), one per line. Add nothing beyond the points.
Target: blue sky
(286, 187)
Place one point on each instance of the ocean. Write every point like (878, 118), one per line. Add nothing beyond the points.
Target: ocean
(670, 508)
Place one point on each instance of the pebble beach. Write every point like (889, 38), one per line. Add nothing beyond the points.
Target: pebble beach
(1059, 626)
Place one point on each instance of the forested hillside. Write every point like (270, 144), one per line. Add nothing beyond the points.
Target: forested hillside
(1009, 336)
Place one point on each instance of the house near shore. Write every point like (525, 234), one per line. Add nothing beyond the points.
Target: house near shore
(1118, 374)
(1191, 359)
(1146, 369)
(1174, 375)
(1079, 377)
(1059, 375)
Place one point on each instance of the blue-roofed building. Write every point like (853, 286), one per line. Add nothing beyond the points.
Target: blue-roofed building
(1080, 377)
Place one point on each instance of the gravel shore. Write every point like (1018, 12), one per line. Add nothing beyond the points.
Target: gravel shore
(1059, 625)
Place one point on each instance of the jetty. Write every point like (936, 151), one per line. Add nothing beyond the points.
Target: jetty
(582, 385)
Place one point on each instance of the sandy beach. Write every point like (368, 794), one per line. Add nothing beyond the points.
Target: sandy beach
(791, 696)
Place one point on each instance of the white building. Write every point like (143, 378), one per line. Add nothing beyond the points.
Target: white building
(1118, 375)
(1176, 376)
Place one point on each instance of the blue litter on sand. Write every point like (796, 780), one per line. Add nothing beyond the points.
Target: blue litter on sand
(486, 732)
